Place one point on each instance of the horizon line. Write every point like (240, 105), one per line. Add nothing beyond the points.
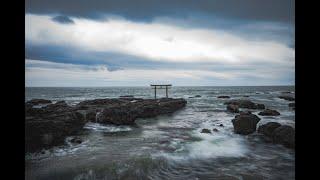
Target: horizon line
(149, 86)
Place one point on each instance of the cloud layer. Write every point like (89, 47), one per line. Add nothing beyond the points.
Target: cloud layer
(154, 41)
(72, 51)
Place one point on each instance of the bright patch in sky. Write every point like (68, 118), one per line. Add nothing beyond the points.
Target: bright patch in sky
(154, 41)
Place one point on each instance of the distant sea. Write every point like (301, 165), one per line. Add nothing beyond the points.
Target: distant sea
(169, 146)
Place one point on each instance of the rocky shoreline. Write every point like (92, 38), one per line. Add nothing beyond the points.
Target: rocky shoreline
(246, 123)
(48, 124)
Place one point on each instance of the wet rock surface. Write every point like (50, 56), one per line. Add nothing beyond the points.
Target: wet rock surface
(269, 112)
(243, 103)
(233, 108)
(284, 135)
(224, 97)
(206, 131)
(49, 125)
(268, 128)
(245, 123)
(279, 134)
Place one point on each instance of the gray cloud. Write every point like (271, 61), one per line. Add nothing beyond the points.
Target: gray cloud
(63, 19)
(270, 10)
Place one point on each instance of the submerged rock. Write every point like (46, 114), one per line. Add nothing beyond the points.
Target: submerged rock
(269, 112)
(215, 130)
(245, 123)
(225, 97)
(288, 98)
(233, 108)
(205, 131)
(197, 96)
(243, 103)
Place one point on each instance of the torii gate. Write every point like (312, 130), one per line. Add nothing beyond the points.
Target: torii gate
(160, 86)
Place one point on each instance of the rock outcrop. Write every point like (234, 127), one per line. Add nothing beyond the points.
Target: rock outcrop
(224, 97)
(284, 135)
(48, 126)
(206, 131)
(279, 134)
(268, 128)
(245, 123)
(233, 108)
(126, 111)
(243, 103)
(269, 112)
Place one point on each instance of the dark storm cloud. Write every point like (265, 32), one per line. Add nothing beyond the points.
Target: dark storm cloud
(63, 19)
(268, 10)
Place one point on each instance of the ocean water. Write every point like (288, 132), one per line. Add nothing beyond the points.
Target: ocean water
(168, 146)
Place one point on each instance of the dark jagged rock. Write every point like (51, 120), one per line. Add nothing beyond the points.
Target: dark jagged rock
(243, 103)
(224, 97)
(127, 110)
(279, 134)
(269, 112)
(245, 123)
(221, 125)
(215, 130)
(48, 126)
(259, 106)
(268, 128)
(233, 108)
(244, 113)
(38, 101)
(197, 96)
(117, 115)
(288, 98)
(284, 135)
(205, 131)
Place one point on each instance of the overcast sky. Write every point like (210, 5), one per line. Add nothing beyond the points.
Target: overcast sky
(136, 43)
